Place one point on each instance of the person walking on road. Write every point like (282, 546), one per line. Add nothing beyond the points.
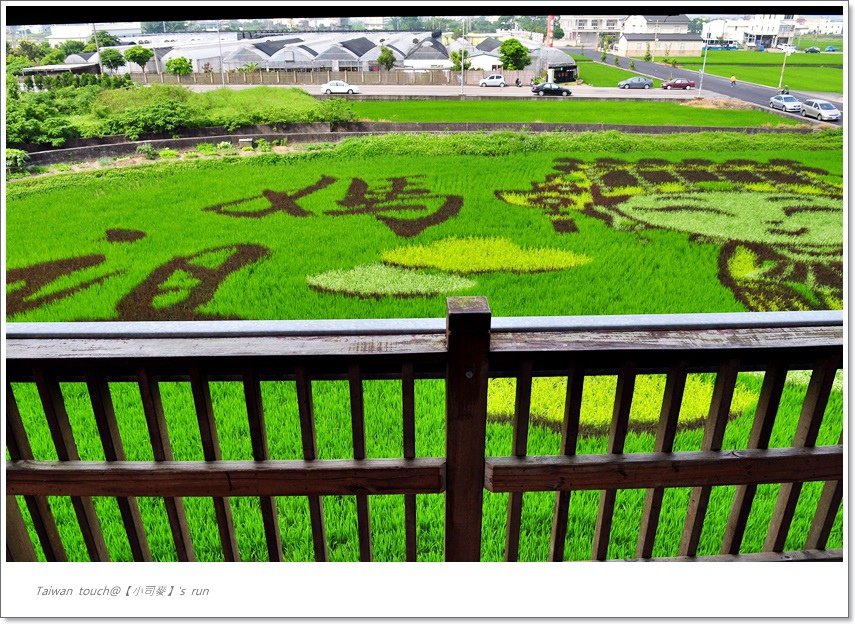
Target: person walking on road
(733, 81)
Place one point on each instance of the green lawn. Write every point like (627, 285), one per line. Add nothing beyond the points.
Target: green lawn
(505, 215)
(559, 110)
(810, 72)
(821, 42)
(599, 74)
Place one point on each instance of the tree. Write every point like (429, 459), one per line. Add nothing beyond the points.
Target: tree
(456, 34)
(455, 59)
(179, 66)
(647, 55)
(105, 39)
(386, 59)
(31, 50)
(696, 25)
(72, 46)
(557, 31)
(139, 56)
(249, 68)
(513, 55)
(112, 58)
(54, 57)
(506, 22)
(14, 65)
(161, 27)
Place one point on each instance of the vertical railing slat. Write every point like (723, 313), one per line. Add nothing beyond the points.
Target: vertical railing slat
(66, 450)
(675, 385)
(522, 413)
(111, 442)
(40, 512)
(310, 452)
(569, 437)
(408, 401)
(617, 437)
(201, 391)
(258, 437)
(761, 431)
(357, 425)
(162, 450)
(19, 547)
(725, 383)
(826, 511)
(813, 409)
(468, 342)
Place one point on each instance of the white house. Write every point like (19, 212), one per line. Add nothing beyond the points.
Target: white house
(585, 30)
(831, 27)
(428, 53)
(656, 24)
(660, 45)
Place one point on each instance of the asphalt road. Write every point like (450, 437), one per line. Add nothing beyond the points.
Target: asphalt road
(748, 92)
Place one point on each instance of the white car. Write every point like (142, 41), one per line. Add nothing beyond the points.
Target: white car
(822, 110)
(496, 80)
(338, 86)
(785, 103)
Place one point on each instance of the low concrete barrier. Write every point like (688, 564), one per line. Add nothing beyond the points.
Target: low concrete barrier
(322, 132)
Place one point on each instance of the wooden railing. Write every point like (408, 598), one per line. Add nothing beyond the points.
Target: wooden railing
(467, 352)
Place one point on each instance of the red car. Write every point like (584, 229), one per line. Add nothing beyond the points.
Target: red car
(678, 83)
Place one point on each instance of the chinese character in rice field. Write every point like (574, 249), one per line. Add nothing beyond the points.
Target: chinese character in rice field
(31, 287)
(399, 196)
(780, 223)
(178, 289)
(399, 203)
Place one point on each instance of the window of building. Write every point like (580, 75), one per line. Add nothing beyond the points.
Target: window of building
(595, 23)
(581, 23)
(611, 24)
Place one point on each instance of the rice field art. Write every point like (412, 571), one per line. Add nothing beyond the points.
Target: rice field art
(323, 235)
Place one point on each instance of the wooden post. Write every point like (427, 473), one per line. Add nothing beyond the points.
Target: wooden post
(468, 341)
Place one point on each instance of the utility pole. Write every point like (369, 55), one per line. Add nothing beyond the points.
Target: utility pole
(783, 65)
(97, 49)
(462, 59)
(703, 65)
(220, 42)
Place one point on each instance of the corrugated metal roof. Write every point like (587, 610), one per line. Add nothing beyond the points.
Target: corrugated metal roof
(359, 46)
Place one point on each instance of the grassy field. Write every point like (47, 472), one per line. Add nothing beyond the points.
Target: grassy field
(506, 216)
(560, 111)
(809, 72)
(821, 42)
(602, 75)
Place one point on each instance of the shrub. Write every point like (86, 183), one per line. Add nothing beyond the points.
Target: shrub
(105, 161)
(603, 57)
(206, 148)
(179, 66)
(632, 65)
(16, 160)
(162, 117)
(617, 61)
(147, 150)
(262, 145)
(168, 153)
(191, 154)
(248, 148)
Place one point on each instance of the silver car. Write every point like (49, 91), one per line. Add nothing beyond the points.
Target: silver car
(822, 110)
(636, 82)
(496, 80)
(785, 103)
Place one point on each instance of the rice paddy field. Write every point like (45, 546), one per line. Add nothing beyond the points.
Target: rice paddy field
(821, 72)
(389, 227)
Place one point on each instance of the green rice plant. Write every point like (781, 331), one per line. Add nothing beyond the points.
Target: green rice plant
(61, 167)
(225, 146)
(206, 148)
(167, 153)
(548, 395)
(190, 155)
(482, 255)
(382, 281)
(248, 148)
